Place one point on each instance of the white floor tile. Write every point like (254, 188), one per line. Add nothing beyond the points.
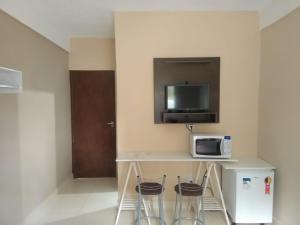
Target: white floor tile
(94, 202)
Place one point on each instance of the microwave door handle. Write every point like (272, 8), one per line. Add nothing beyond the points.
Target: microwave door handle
(222, 146)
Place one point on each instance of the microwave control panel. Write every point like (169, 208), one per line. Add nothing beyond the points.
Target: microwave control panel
(227, 145)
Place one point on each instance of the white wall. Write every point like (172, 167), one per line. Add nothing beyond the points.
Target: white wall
(92, 54)
(279, 111)
(142, 36)
(35, 150)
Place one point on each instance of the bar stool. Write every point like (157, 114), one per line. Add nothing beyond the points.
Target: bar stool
(150, 188)
(188, 188)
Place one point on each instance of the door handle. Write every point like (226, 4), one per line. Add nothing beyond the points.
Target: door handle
(112, 124)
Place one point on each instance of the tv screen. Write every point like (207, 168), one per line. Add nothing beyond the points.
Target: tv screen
(187, 97)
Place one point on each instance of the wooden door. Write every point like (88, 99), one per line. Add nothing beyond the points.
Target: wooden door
(93, 123)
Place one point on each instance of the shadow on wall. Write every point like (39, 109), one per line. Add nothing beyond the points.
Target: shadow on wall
(37, 128)
(10, 162)
(44, 126)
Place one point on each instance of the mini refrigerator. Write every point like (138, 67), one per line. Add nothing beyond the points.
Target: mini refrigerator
(248, 188)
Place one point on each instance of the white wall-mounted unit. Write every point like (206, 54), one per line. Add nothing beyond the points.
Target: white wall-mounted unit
(10, 80)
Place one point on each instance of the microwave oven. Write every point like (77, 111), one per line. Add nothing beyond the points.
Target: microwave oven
(210, 146)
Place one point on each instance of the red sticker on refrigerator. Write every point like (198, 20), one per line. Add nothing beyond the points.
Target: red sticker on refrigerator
(268, 181)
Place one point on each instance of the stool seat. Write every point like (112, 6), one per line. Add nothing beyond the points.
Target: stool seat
(189, 189)
(150, 188)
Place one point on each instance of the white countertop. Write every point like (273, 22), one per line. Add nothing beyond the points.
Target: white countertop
(164, 157)
(247, 164)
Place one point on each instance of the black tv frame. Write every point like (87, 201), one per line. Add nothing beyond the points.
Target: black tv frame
(190, 71)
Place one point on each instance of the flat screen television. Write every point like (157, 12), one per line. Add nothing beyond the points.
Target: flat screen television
(187, 98)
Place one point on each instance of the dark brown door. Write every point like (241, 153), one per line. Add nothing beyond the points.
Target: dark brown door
(93, 123)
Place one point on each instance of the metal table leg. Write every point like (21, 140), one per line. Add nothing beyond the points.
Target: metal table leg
(124, 192)
(220, 193)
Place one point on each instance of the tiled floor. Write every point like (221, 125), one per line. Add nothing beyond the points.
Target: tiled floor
(93, 202)
(78, 202)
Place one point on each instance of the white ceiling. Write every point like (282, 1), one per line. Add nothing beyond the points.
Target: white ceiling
(59, 20)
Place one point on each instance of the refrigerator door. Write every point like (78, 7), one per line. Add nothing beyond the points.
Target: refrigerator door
(254, 196)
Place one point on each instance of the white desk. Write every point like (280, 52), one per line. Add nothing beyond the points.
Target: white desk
(135, 158)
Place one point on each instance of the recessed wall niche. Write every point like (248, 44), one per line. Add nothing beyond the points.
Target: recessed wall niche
(190, 72)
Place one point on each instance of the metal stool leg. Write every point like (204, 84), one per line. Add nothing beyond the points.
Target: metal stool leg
(139, 205)
(161, 211)
(139, 210)
(176, 211)
(180, 209)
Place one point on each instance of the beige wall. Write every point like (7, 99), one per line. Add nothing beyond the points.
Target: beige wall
(35, 152)
(92, 54)
(142, 36)
(279, 112)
